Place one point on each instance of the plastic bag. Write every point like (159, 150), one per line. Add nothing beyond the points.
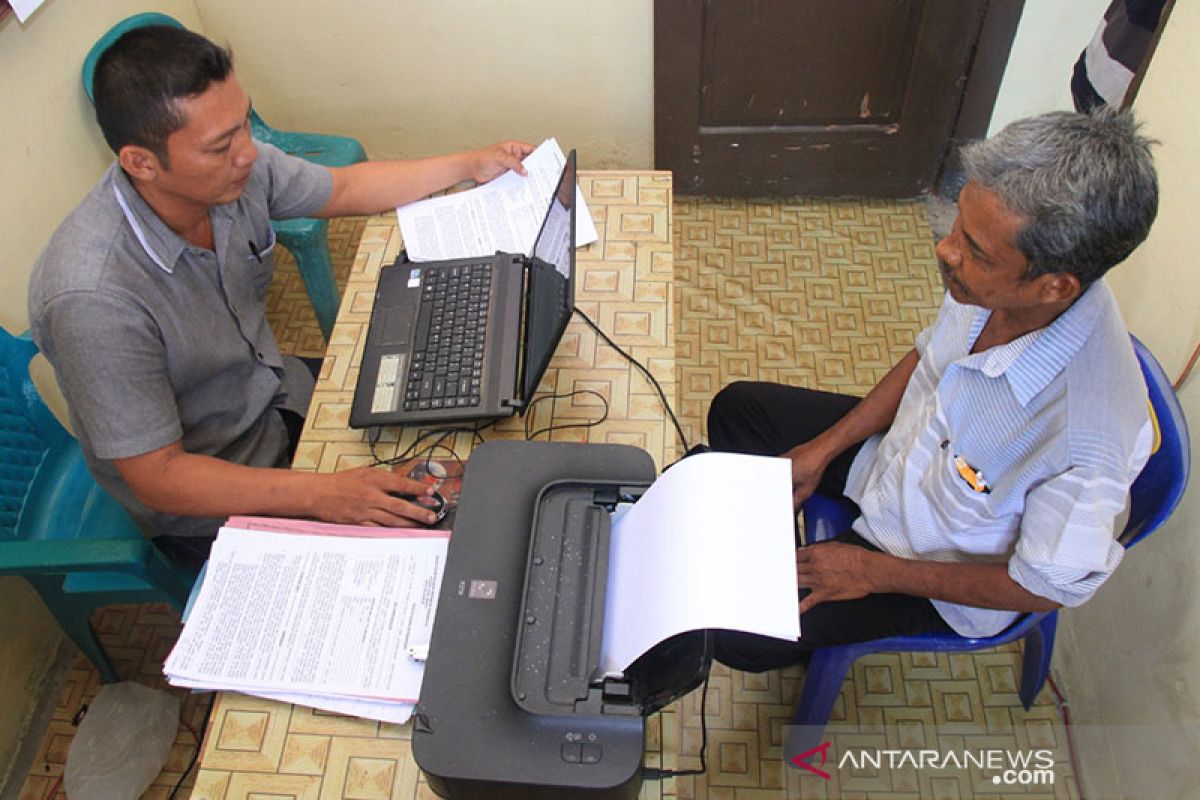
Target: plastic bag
(122, 743)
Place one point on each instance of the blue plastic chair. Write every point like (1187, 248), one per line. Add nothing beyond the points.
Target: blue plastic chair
(58, 529)
(1154, 495)
(306, 239)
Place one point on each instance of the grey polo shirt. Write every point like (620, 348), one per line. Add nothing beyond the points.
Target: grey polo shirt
(154, 340)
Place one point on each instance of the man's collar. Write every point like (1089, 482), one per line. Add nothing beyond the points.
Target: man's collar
(163, 245)
(1031, 361)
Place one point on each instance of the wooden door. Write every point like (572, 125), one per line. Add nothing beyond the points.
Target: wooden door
(811, 97)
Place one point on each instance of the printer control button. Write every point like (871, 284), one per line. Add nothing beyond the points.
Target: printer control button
(572, 752)
(592, 753)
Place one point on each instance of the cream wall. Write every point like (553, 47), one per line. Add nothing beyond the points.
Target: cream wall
(50, 155)
(1049, 38)
(1129, 659)
(414, 78)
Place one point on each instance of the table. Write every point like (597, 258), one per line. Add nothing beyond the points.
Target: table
(258, 748)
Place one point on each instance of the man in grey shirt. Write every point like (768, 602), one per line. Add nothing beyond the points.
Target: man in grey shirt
(149, 300)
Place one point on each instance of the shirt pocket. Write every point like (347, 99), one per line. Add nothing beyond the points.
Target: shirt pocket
(957, 487)
(261, 261)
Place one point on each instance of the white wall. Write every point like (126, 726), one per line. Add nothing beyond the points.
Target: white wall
(1049, 38)
(50, 155)
(414, 78)
(1129, 658)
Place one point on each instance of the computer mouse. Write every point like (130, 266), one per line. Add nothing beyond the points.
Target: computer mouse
(438, 505)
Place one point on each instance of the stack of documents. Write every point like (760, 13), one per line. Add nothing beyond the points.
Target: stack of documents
(336, 617)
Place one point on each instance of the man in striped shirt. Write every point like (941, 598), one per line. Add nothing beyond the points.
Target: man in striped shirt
(991, 463)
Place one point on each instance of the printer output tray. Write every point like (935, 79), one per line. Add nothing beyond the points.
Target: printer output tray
(510, 705)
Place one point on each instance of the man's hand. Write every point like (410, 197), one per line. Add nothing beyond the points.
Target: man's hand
(361, 497)
(173, 481)
(833, 571)
(373, 186)
(808, 465)
(837, 571)
(493, 161)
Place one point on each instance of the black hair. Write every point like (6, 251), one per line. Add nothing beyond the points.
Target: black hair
(140, 78)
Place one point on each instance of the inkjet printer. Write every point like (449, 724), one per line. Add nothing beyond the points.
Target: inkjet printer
(511, 704)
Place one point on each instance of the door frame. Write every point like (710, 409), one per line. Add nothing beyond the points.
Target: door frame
(984, 75)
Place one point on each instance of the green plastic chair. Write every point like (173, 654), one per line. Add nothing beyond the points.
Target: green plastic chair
(58, 529)
(306, 239)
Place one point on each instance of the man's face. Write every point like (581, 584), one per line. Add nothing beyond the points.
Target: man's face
(979, 261)
(211, 155)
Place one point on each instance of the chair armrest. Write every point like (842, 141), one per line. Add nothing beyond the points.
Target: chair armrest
(57, 556)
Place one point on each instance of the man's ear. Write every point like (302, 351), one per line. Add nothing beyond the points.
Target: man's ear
(1059, 287)
(140, 163)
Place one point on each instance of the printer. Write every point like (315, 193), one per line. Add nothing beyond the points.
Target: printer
(511, 703)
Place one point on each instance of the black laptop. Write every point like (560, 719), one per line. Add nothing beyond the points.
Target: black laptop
(469, 339)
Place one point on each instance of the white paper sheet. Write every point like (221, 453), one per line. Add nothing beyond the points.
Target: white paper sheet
(397, 711)
(711, 544)
(24, 8)
(327, 615)
(502, 215)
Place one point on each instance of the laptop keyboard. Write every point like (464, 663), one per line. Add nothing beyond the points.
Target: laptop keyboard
(447, 357)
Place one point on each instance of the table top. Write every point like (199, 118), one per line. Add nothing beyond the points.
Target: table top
(257, 747)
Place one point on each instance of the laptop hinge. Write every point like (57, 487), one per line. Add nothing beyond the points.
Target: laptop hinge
(519, 402)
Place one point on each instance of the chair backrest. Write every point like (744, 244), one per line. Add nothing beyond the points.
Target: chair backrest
(28, 430)
(114, 33)
(1161, 483)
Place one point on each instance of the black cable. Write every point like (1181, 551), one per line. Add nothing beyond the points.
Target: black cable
(662, 396)
(199, 746)
(416, 450)
(656, 774)
(564, 425)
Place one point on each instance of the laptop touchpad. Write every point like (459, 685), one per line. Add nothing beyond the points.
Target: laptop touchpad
(395, 326)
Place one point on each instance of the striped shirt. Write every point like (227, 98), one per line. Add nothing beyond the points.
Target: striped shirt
(1021, 454)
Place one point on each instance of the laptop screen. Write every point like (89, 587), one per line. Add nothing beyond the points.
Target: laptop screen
(551, 295)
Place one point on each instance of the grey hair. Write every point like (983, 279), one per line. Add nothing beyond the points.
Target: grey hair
(1085, 184)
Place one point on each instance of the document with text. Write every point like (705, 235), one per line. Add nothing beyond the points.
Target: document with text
(503, 215)
(298, 614)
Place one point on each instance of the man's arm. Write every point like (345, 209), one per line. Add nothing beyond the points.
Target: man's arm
(374, 186)
(173, 481)
(836, 571)
(874, 414)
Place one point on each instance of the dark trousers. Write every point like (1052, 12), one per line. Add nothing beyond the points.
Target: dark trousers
(293, 421)
(769, 419)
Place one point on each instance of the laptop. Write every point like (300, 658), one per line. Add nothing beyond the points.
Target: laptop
(469, 339)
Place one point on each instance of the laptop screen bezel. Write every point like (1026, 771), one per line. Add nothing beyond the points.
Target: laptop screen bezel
(527, 382)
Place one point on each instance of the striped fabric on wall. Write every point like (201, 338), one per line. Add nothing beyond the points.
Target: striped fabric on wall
(1121, 44)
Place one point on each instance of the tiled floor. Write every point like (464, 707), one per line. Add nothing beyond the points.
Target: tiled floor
(819, 293)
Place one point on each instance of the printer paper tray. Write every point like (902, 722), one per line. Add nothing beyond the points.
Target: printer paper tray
(555, 662)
